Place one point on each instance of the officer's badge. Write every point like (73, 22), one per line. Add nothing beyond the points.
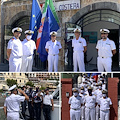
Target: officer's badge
(18, 29)
(57, 44)
(107, 43)
(53, 33)
(79, 41)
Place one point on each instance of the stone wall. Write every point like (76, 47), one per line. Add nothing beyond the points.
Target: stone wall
(0, 30)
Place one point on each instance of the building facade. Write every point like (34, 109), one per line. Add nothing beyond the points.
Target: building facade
(50, 80)
(21, 79)
(90, 15)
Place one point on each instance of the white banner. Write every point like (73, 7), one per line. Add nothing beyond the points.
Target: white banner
(67, 5)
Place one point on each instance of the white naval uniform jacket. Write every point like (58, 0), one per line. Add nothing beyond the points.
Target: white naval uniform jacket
(90, 101)
(75, 102)
(78, 45)
(16, 47)
(28, 47)
(13, 102)
(105, 48)
(53, 47)
(104, 103)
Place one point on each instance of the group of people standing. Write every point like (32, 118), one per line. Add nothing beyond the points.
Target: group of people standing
(20, 54)
(106, 49)
(35, 99)
(90, 101)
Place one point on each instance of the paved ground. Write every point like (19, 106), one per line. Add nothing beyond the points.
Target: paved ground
(88, 67)
(5, 67)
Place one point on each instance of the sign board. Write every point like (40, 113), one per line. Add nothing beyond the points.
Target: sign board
(65, 5)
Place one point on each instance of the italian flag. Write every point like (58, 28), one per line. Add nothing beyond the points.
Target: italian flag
(50, 3)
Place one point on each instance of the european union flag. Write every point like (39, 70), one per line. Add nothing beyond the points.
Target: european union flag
(35, 19)
(50, 24)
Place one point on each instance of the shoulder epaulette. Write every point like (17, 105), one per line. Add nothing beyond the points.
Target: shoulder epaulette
(12, 38)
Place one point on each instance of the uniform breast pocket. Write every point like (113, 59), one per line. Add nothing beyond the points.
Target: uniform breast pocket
(29, 47)
(16, 47)
(105, 103)
(57, 46)
(107, 47)
(80, 43)
(50, 46)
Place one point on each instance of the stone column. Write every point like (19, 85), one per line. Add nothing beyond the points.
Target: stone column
(113, 94)
(66, 87)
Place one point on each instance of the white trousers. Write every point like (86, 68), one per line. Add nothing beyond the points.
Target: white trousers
(83, 113)
(89, 114)
(75, 114)
(13, 116)
(104, 63)
(104, 115)
(78, 61)
(53, 62)
(27, 63)
(97, 112)
(15, 64)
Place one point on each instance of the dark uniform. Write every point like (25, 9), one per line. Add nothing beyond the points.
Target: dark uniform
(30, 105)
(23, 105)
(37, 105)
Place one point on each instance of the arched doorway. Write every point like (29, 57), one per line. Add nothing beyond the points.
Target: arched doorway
(91, 22)
(22, 20)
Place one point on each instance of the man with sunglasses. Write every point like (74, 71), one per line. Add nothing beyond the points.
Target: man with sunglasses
(14, 51)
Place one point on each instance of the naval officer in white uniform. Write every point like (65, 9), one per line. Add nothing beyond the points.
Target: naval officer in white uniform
(28, 46)
(90, 104)
(53, 48)
(12, 103)
(79, 48)
(82, 94)
(105, 104)
(14, 51)
(106, 49)
(75, 103)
